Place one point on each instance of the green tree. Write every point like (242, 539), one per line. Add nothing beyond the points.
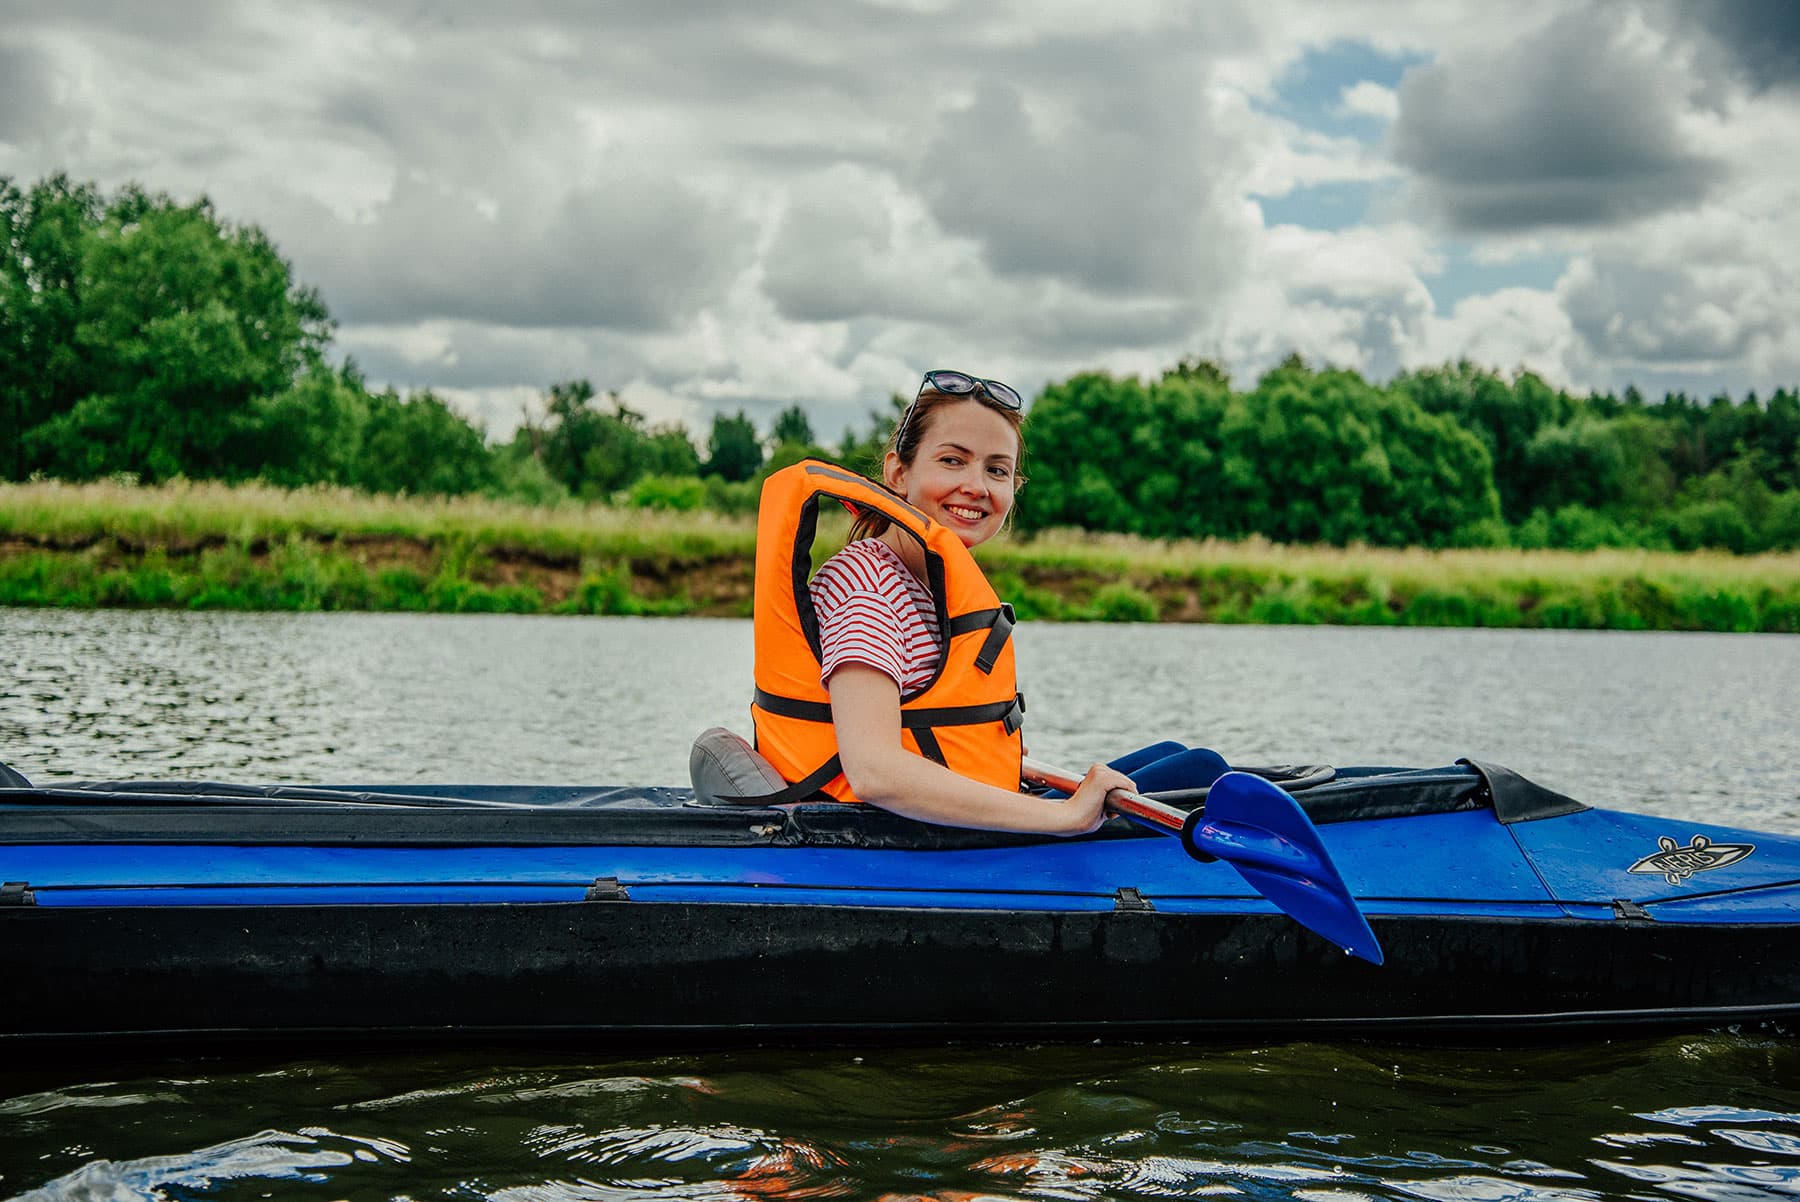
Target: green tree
(418, 444)
(734, 452)
(1649, 484)
(670, 452)
(520, 475)
(43, 233)
(594, 453)
(1327, 457)
(1779, 439)
(1088, 438)
(791, 426)
(1505, 417)
(180, 321)
(1582, 462)
(311, 433)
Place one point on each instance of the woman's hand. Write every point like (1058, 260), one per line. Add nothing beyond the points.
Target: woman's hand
(1087, 805)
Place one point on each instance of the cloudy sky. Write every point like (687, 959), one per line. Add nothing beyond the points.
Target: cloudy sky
(716, 205)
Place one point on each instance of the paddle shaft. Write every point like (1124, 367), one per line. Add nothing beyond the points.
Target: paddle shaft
(1135, 806)
(1264, 835)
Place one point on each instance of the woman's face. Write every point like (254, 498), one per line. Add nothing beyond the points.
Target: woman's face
(964, 472)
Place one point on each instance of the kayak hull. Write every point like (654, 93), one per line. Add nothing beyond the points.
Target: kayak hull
(626, 969)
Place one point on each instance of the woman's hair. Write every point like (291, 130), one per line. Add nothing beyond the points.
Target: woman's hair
(907, 437)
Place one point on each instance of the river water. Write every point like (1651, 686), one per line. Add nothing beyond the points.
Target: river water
(1697, 726)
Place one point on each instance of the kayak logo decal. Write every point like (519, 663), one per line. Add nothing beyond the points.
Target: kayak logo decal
(1677, 863)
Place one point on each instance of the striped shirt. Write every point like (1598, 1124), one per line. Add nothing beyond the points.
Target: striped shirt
(873, 611)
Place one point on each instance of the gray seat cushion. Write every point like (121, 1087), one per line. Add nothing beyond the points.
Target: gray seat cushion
(723, 767)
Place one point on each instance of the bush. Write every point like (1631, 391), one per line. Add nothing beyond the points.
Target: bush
(682, 494)
(1578, 528)
(1710, 524)
(725, 496)
(1029, 604)
(605, 592)
(1484, 532)
(1286, 603)
(1122, 602)
(525, 479)
(1572, 528)
(1781, 528)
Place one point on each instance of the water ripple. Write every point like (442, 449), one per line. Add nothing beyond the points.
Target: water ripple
(1492, 1189)
(265, 1156)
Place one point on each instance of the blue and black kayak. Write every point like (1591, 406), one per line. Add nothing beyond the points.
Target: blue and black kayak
(137, 912)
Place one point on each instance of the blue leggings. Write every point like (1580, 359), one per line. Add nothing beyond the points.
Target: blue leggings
(1169, 765)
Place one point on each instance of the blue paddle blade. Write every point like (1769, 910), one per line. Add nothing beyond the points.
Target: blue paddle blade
(1264, 834)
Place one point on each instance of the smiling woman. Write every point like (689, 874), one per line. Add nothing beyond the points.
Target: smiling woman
(888, 677)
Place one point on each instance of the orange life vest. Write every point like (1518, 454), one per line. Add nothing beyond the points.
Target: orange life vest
(966, 718)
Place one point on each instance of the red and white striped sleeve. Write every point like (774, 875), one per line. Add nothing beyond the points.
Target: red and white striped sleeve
(869, 615)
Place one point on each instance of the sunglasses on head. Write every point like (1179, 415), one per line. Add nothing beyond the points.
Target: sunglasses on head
(956, 383)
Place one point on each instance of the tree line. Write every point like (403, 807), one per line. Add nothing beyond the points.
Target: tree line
(148, 339)
(1451, 456)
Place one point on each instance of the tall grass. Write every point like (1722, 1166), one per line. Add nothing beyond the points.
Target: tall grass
(1258, 581)
(191, 514)
(255, 547)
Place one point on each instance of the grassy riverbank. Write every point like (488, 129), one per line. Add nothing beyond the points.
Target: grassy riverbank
(206, 546)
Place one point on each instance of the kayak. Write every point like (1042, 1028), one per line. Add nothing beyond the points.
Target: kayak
(144, 912)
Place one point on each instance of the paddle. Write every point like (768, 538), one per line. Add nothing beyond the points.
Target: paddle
(1264, 834)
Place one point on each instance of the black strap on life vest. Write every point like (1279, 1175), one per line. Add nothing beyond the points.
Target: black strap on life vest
(1010, 714)
(999, 625)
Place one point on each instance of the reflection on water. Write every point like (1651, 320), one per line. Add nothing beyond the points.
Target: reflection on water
(1696, 725)
(1710, 1117)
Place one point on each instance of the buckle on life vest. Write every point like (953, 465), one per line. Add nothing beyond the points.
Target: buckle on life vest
(1015, 714)
(998, 633)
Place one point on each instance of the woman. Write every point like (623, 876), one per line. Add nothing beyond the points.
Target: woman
(861, 693)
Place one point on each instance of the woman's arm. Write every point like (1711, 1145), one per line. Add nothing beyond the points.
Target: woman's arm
(865, 713)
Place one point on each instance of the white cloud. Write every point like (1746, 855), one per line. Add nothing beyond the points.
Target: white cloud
(1509, 329)
(1368, 99)
(746, 207)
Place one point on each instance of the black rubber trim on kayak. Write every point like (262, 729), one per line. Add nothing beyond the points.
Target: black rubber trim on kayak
(436, 797)
(1290, 779)
(338, 826)
(1516, 799)
(1357, 794)
(541, 815)
(227, 822)
(874, 829)
(1360, 794)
